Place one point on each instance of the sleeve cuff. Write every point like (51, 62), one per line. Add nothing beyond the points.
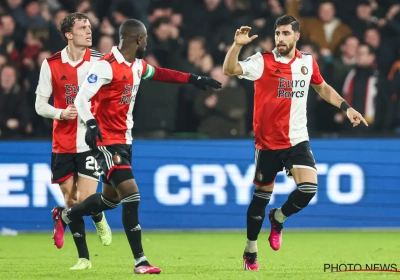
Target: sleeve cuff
(58, 114)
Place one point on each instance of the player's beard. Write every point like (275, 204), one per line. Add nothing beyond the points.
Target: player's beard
(140, 53)
(287, 50)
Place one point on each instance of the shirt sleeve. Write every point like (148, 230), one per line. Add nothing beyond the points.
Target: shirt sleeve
(44, 109)
(45, 86)
(252, 67)
(100, 73)
(148, 71)
(316, 78)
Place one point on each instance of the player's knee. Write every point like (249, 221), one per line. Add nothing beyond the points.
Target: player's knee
(259, 203)
(305, 192)
(109, 203)
(70, 201)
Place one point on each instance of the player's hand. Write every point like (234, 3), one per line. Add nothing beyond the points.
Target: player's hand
(242, 36)
(70, 113)
(201, 82)
(355, 117)
(92, 131)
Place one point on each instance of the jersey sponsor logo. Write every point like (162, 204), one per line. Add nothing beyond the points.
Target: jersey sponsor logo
(304, 70)
(285, 84)
(128, 89)
(70, 93)
(92, 78)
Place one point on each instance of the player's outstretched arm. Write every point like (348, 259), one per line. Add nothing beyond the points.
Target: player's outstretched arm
(331, 96)
(231, 66)
(171, 76)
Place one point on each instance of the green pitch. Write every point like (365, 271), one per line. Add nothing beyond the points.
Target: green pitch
(203, 256)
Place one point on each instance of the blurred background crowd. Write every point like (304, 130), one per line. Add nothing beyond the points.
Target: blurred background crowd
(356, 43)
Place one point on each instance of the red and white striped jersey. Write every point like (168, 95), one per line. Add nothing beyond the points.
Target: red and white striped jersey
(280, 99)
(114, 83)
(62, 77)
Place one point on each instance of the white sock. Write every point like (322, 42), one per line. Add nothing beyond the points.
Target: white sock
(139, 260)
(279, 217)
(251, 247)
(64, 216)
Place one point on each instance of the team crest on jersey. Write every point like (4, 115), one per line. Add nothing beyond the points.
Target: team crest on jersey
(304, 70)
(117, 158)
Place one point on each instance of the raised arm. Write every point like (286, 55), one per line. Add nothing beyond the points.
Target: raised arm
(231, 65)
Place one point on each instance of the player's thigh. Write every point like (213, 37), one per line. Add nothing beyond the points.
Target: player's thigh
(115, 161)
(109, 192)
(301, 163)
(69, 191)
(88, 175)
(267, 166)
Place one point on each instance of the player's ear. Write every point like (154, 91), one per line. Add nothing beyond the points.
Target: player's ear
(68, 35)
(297, 35)
(139, 40)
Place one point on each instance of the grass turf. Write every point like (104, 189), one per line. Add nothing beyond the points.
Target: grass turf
(204, 255)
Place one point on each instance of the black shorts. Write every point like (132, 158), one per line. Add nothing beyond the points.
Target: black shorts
(64, 166)
(269, 163)
(115, 162)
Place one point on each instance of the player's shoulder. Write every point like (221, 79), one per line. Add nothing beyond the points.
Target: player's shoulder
(95, 54)
(305, 53)
(54, 57)
(109, 57)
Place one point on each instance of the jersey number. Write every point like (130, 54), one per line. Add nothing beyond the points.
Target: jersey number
(91, 163)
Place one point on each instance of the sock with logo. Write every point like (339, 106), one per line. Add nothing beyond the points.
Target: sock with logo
(77, 228)
(299, 198)
(133, 231)
(255, 217)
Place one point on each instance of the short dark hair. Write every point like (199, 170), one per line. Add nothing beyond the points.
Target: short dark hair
(286, 20)
(369, 47)
(69, 21)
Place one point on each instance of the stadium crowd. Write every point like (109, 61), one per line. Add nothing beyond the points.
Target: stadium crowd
(356, 44)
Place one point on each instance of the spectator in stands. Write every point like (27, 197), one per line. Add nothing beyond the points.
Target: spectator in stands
(165, 42)
(326, 30)
(198, 60)
(14, 113)
(35, 39)
(41, 126)
(320, 114)
(57, 43)
(364, 18)
(360, 89)
(221, 112)
(394, 100)
(345, 61)
(105, 44)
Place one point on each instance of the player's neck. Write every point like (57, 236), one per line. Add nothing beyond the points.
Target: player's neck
(75, 53)
(128, 54)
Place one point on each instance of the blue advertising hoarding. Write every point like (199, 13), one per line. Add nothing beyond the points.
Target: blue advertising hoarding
(192, 184)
